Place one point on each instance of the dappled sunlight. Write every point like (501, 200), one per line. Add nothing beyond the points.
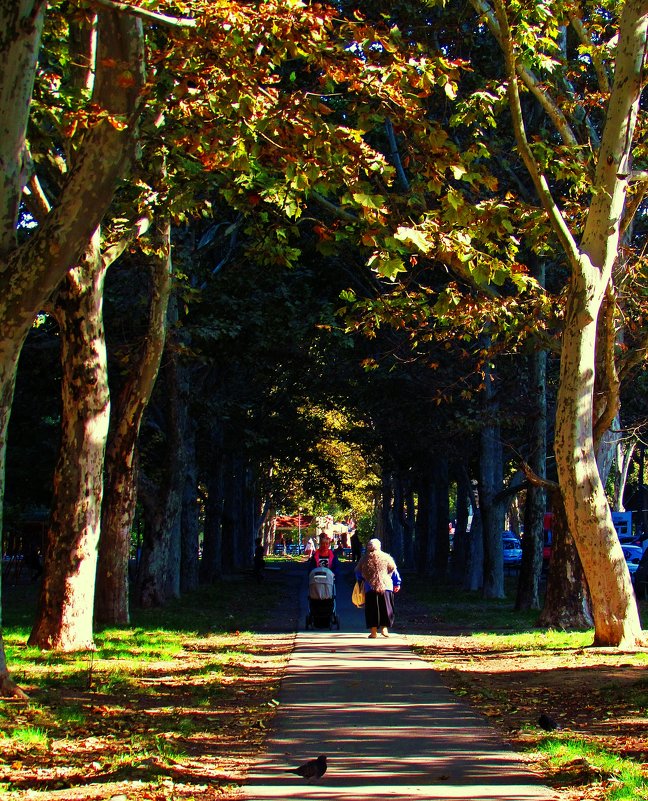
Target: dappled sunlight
(388, 726)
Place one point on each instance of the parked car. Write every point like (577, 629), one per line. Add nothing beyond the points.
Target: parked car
(512, 549)
(632, 554)
(640, 577)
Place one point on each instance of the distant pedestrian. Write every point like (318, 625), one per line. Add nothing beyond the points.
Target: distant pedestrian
(381, 578)
(259, 562)
(356, 547)
(309, 548)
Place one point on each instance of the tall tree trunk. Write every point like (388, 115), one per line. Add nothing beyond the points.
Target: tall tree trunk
(409, 523)
(490, 483)
(460, 544)
(247, 529)
(442, 491)
(30, 273)
(396, 540)
(211, 562)
(232, 503)
(385, 528)
(161, 496)
(528, 593)
(120, 496)
(189, 578)
(426, 518)
(616, 617)
(474, 577)
(566, 604)
(624, 455)
(65, 610)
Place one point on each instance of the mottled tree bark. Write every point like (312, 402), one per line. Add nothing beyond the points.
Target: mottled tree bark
(614, 607)
(31, 272)
(120, 495)
(65, 609)
(566, 604)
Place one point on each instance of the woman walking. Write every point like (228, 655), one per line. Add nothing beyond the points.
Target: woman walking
(381, 579)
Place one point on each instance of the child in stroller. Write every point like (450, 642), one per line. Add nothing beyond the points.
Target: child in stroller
(322, 612)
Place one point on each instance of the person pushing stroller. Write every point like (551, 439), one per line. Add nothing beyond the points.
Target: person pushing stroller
(323, 567)
(324, 556)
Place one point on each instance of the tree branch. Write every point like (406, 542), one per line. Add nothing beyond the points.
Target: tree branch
(395, 155)
(137, 229)
(597, 61)
(537, 481)
(611, 379)
(151, 16)
(338, 211)
(35, 199)
(527, 77)
(542, 187)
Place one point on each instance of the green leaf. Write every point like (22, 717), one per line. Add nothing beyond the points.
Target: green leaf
(369, 201)
(414, 237)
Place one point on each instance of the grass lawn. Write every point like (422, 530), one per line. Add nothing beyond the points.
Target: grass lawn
(174, 706)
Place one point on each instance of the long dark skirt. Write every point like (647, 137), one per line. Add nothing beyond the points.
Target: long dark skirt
(379, 609)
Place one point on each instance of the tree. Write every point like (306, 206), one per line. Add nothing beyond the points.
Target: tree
(31, 270)
(591, 261)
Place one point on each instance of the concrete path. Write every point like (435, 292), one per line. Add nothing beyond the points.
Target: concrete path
(386, 723)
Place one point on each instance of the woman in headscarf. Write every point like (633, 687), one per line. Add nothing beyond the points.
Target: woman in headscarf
(381, 580)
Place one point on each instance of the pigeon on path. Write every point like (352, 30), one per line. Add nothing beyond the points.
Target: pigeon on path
(547, 723)
(313, 769)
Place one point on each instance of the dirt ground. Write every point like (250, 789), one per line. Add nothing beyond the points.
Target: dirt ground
(185, 728)
(599, 695)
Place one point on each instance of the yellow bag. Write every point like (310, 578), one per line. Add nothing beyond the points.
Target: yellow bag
(358, 596)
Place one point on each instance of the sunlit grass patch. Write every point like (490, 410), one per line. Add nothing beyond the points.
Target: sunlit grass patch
(538, 639)
(26, 737)
(625, 779)
(168, 751)
(73, 715)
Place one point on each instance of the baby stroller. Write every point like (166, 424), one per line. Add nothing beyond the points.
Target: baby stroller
(322, 613)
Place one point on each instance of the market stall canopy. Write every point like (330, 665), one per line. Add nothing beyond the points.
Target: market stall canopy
(294, 521)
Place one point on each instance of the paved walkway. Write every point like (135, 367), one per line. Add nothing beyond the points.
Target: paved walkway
(388, 726)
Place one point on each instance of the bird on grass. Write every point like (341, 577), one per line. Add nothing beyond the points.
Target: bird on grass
(313, 769)
(547, 723)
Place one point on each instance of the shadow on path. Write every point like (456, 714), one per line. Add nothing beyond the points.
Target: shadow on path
(388, 726)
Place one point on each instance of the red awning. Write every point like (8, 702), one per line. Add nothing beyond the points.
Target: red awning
(293, 521)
